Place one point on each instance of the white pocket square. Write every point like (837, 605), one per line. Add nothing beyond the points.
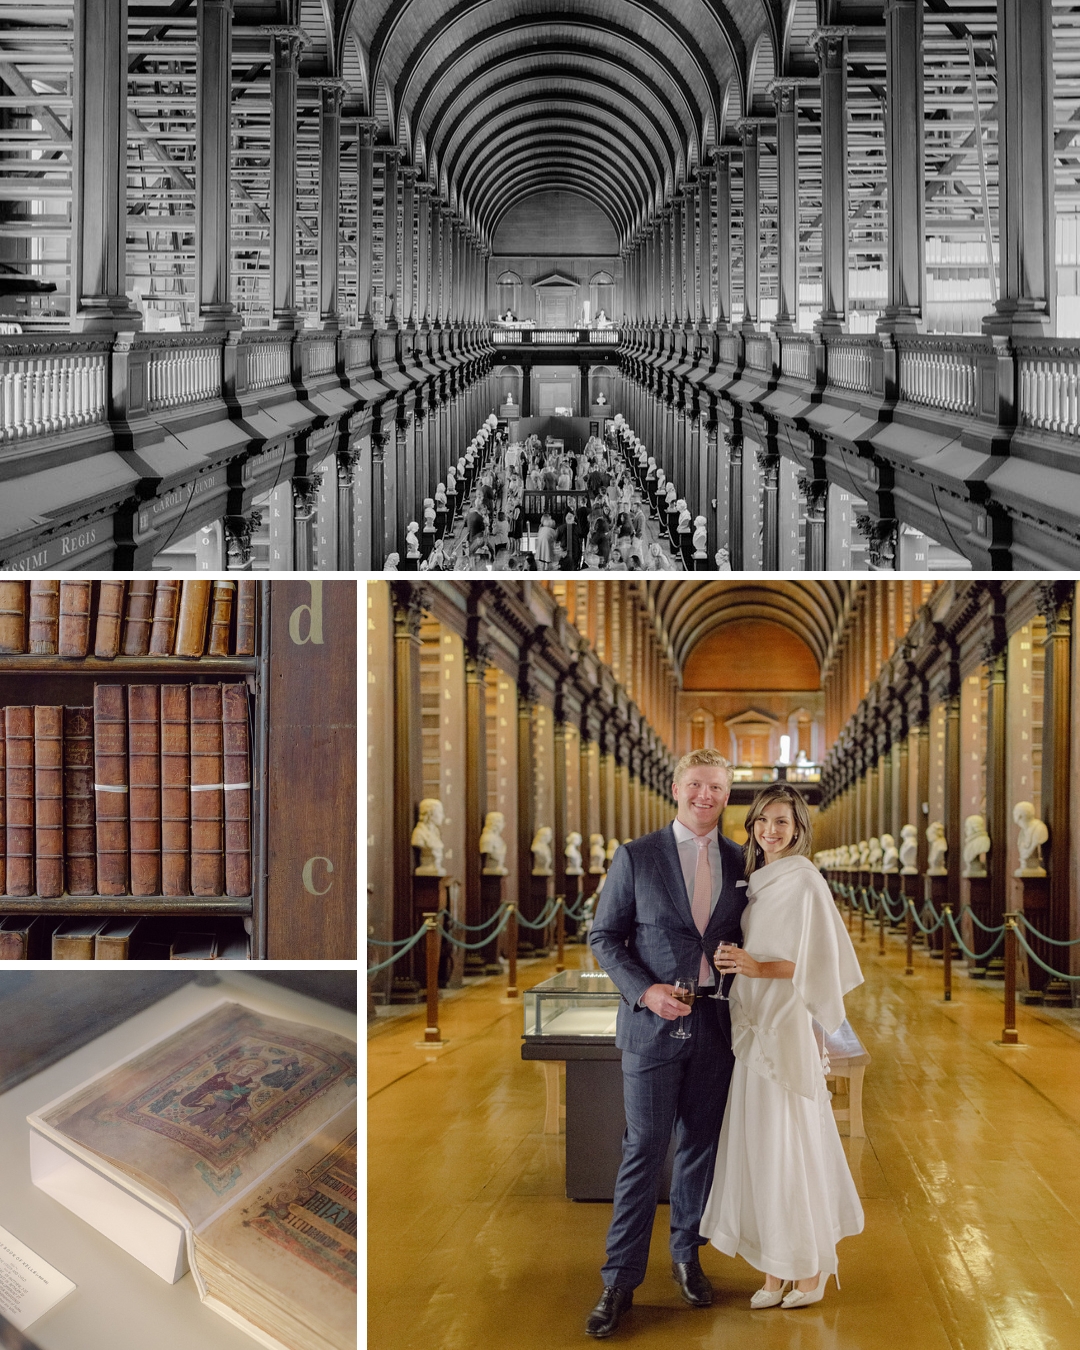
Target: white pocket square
(739, 883)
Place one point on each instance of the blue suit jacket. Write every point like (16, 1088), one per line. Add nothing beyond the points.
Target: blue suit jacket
(644, 932)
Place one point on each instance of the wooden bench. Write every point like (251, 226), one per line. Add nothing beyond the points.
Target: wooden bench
(848, 1060)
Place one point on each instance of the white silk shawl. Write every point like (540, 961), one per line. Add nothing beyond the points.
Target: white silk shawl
(791, 916)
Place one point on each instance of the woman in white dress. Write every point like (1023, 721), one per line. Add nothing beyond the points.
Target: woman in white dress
(782, 1195)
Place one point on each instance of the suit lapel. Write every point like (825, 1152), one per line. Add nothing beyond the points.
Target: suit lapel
(672, 876)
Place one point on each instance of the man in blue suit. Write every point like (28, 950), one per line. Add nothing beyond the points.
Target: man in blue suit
(669, 900)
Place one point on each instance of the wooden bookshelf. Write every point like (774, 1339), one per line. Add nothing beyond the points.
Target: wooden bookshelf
(301, 700)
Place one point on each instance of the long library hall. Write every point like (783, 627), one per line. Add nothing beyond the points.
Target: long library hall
(889, 763)
(689, 286)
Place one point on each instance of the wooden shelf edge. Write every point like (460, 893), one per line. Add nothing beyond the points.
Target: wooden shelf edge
(147, 665)
(148, 905)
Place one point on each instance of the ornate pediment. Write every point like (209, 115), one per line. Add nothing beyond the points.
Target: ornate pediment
(556, 281)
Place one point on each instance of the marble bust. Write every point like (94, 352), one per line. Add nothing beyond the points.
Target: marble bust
(874, 854)
(863, 856)
(890, 858)
(427, 837)
(939, 848)
(573, 855)
(541, 851)
(412, 541)
(493, 845)
(609, 852)
(597, 854)
(429, 513)
(1033, 834)
(976, 846)
(909, 850)
(701, 536)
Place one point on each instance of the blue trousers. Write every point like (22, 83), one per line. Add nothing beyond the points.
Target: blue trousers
(687, 1093)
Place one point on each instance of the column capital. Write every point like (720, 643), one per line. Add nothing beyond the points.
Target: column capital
(366, 128)
(830, 42)
(881, 538)
(785, 92)
(289, 39)
(749, 127)
(305, 492)
(238, 532)
(346, 467)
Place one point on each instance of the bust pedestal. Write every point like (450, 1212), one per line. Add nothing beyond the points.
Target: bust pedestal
(441, 521)
(975, 891)
(673, 527)
(890, 884)
(686, 548)
(535, 941)
(427, 540)
(491, 897)
(1031, 896)
(936, 890)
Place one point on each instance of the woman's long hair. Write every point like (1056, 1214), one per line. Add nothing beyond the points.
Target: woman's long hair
(803, 839)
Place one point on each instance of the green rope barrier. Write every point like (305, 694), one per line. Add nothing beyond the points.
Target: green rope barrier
(919, 923)
(410, 943)
(473, 946)
(1057, 974)
(477, 927)
(543, 919)
(975, 956)
(1054, 942)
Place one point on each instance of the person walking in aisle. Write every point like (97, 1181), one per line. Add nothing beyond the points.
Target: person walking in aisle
(669, 899)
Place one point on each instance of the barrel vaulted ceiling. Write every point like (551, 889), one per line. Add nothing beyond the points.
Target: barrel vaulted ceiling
(494, 101)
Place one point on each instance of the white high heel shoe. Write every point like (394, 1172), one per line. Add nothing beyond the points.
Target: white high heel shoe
(768, 1298)
(797, 1298)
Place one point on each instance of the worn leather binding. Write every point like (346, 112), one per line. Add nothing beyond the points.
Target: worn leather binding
(49, 800)
(111, 788)
(25, 937)
(163, 625)
(110, 611)
(19, 738)
(12, 617)
(245, 618)
(74, 618)
(144, 779)
(221, 618)
(135, 640)
(237, 758)
(194, 947)
(44, 617)
(175, 791)
(129, 940)
(191, 626)
(3, 805)
(207, 863)
(80, 848)
(73, 940)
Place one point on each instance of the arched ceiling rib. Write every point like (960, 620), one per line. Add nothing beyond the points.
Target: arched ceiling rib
(647, 80)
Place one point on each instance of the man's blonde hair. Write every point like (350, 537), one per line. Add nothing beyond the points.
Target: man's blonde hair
(703, 758)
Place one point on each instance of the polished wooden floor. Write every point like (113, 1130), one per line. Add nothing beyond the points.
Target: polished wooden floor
(970, 1178)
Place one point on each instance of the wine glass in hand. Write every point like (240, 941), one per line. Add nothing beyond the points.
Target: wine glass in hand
(718, 957)
(684, 991)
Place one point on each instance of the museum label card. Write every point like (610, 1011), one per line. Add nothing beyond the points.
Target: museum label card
(29, 1287)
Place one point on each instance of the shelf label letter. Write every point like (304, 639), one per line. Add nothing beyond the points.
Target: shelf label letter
(308, 875)
(314, 613)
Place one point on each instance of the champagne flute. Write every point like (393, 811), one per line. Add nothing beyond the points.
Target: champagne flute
(722, 975)
(684, 991)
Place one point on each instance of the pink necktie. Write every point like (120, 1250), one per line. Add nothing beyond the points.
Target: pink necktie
(700, 905)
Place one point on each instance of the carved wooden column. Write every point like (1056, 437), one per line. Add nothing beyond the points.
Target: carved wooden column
(99, 169)
(332, 95)
(423, 251)
(408, 602)
(954, 825)
(477, 657)
(706, 179)
(751, 224)
(346, 478)
(786, 94)
(390, 251)
(712, 485)
(723, 240)
(561, 826)
(408, 245)
(831, 47)
(288, 42)
(378, 495)
(238, 532)
(213, 95)
(365, 237)
(678, 253)
(998, 806)
(526, 793)
(1056, 604)
(768, 461)
(305, 493)
(735, 499)
(815, 493)
(905, 309)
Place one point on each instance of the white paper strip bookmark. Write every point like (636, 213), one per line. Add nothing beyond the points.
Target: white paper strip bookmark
(29, 1286)
(109, 787)
(207, 787)
(229, 787)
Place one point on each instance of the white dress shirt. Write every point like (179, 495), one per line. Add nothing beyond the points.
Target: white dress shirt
(686, 840)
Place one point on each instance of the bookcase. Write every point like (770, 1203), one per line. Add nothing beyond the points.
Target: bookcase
(301, 688)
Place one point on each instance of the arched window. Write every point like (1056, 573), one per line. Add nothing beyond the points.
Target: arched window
(508, 294)
(602, 294)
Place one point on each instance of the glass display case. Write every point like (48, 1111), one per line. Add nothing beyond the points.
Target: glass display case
(574, 1003)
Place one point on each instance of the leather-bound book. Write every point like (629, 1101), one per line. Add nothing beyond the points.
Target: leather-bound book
(144, 780)
(163, 624)
(73, 940)
(74, 618)
(207, 783)
(3, 804)
(19, 741)
(12, 617)
(26, 937)
(245, 618)
(234, 948)
(191, 625)
(221, 617)
(138, 613)
(130, 940)
(237, 759)
(110, 613)
(49, 800)
(194, 947)
(44, 617)
(175, 791)
(80, 846)
(111, 788)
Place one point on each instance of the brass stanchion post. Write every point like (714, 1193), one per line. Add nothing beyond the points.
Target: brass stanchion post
(1009, 1035)
(946, 949)
(909, 937)
(432, 1035)
(881, 926)
(511, 947)
(862, 914)
(560, 931)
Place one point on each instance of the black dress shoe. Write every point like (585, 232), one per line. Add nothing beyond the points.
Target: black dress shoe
(693, 1283)
(604, 1318)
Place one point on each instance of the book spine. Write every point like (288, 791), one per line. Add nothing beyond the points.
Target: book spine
(191, 625)
(144, 778)
(19, 738)
(245, 618)
(163, 626)
(79, 843)
(44, 617)
(12, 946)
(3, 803)
(111, 788)
(221, 618)
(137, 618)
(49, 800)
(207, 784)
(110, 611)
(73, 947)
(175, 791)
(12, 617)
(74, 618)
(237, 760)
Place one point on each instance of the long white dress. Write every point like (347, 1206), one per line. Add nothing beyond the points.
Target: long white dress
(782, 1195)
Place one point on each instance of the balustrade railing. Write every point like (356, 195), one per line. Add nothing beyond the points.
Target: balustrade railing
(729, 348)
(51, 386)
(320, 356)
(797, 358)
(849, 365)
(939, 376)
(759, 352)
(552, 336)
(269, 360)
(1050, 388)
(182, 371)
